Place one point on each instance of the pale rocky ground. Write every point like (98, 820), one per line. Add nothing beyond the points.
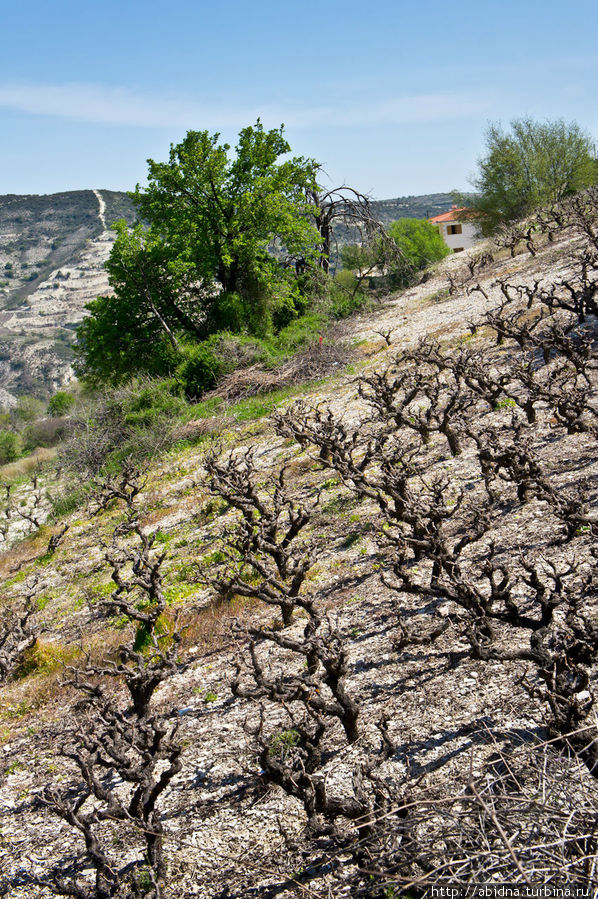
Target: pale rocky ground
(51, 312)
(52, 254)
(222, 826)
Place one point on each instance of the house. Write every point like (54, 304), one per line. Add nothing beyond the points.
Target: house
(458, 235)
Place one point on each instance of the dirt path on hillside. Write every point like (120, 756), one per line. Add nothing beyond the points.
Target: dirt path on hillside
(102, 206)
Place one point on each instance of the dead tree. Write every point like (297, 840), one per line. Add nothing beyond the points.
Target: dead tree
(517, 293)
(581, 213)
(420, 397)
(512, 323)
(569, 397)
(553, 220)
(509, 458)
(477, 288)
(440, 547)
(291, 755)
(144, 755)
(322, 647)
(346, 206)
(125, 486)
(478, 261)
(295, 740)
(386, 334)
(455, 282)
(511, 236)
(268, 561)
(32, 508)
(526, 818)
(577, 294)
(56, 539)
(298, 674)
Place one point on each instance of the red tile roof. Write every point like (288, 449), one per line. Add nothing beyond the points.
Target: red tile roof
(450, 216)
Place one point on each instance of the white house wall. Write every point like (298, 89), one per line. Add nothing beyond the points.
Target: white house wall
(463, 241)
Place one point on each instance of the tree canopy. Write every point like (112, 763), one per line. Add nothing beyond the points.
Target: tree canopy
(134, 328)
(210, 255)
(534, 164)
(420, 243)
(224, 216)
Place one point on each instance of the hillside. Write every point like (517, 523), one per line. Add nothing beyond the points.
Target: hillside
(52, 254)
(386, 599)
(421, 207)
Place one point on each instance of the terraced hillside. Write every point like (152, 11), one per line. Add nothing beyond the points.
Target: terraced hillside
(52, 254)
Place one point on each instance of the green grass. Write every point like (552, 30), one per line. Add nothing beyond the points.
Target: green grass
(253, 407)
(67, 502)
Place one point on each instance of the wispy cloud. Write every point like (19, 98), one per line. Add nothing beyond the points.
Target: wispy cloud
(103, 104)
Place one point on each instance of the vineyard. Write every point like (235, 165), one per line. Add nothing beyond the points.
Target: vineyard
(346, 651)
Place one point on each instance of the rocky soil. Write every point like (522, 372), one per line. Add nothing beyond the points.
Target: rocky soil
(227, 833)
(52, 255)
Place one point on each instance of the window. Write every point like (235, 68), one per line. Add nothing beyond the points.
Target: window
(454, 229)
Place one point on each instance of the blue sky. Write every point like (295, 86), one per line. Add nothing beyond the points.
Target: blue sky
(392, 97)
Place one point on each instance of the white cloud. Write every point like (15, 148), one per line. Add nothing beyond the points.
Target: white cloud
(103, 104)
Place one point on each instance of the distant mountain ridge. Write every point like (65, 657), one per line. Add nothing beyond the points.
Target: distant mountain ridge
(52, 253)
(421, 207)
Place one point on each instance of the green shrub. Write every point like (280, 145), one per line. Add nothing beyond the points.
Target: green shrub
(420, 243)
(154, 401)
(10, 446)
(297, 334)
(346, 297)
(61, 403)
(28, 408)
(71, 499)
(133, 421)
(205, 363)
(200, 369)
(46, 432)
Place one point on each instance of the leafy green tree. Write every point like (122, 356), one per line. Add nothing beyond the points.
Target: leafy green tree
(116, 341)
(210, 258)
(224, 215)
(420, 244)
(134, 329)
(534, 164)
(61, 403)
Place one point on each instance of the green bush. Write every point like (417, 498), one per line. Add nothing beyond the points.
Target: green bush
(10, 446)
(420, 244)
(153, 401)
(206, 362)
(200, 369)
(346, 295)
(46, 432)
(299, 333)
(71, 499)
(133, 421)
(61, 403)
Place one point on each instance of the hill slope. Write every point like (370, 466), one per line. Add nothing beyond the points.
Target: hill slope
(52, 254)
(379, 736)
